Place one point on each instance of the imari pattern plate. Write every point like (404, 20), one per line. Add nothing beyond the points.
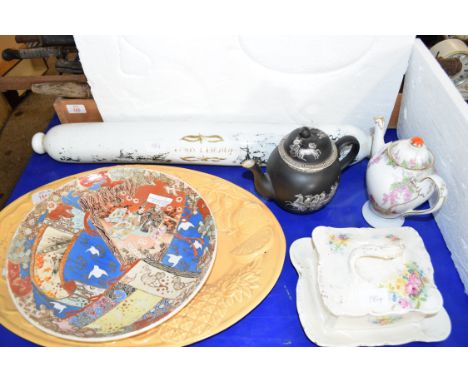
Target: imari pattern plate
(111, 254)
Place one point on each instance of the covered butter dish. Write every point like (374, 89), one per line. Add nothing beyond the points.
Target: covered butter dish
(368, 277)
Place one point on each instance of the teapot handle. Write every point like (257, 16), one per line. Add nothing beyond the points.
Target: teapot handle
(351, 155)
(441, 196)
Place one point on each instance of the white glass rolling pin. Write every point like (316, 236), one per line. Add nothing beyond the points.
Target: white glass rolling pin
(174, 142)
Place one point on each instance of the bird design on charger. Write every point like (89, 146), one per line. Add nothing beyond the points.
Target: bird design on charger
(94, 251)
(185, 225)
(173, 259)
(97, 272)
(57, 306)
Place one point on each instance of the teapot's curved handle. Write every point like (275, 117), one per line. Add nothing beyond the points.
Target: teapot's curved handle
(441, 196)
(341, 144)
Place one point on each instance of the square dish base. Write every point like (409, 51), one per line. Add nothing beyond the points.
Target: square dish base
(313, 314)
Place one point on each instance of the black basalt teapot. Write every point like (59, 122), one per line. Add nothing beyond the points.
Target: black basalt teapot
(303, 171)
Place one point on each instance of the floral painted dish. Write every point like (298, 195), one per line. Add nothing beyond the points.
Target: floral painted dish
(367, 276)
(111, 254)
(317, 320)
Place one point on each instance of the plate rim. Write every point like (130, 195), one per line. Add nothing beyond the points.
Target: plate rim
(136, 332)
(150, 339)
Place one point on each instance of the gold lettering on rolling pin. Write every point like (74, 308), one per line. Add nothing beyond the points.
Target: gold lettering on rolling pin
(202, 159)
(200, 138)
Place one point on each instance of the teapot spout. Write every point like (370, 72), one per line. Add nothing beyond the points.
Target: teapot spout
(262, 180)
(378, 137)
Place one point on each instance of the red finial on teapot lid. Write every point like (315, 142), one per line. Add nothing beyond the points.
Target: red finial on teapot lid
(417, 141)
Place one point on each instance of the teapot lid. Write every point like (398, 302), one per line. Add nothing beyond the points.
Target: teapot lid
(411, 153)
(308, 149)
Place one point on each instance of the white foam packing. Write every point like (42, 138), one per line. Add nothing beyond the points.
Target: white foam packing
(277, 79)
(433, 108)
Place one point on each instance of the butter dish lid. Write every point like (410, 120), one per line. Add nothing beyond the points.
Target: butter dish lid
(374, 271)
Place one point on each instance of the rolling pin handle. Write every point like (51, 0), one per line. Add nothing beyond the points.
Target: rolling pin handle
(38, 143)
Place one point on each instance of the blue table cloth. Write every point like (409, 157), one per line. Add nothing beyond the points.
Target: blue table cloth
(274, 322)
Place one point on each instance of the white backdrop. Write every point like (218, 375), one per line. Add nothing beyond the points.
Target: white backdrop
(433, 108)
(277, 79)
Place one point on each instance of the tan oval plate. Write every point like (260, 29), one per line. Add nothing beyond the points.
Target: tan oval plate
(251, 252)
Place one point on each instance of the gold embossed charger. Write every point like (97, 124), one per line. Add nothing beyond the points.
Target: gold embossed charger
(251, 251)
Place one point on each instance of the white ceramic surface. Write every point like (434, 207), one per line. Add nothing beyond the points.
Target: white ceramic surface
(369, 276)
(176, 142)
(314, 316)
(400, 177)
(377, 221)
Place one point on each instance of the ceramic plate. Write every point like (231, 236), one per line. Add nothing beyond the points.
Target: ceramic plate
(313, 314)
(111, 254)
(250, 247)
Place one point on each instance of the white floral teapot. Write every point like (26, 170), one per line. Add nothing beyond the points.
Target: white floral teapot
(400, 177)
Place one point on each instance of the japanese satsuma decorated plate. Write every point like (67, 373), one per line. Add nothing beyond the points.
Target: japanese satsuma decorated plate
(111, 254)
(251, 248)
